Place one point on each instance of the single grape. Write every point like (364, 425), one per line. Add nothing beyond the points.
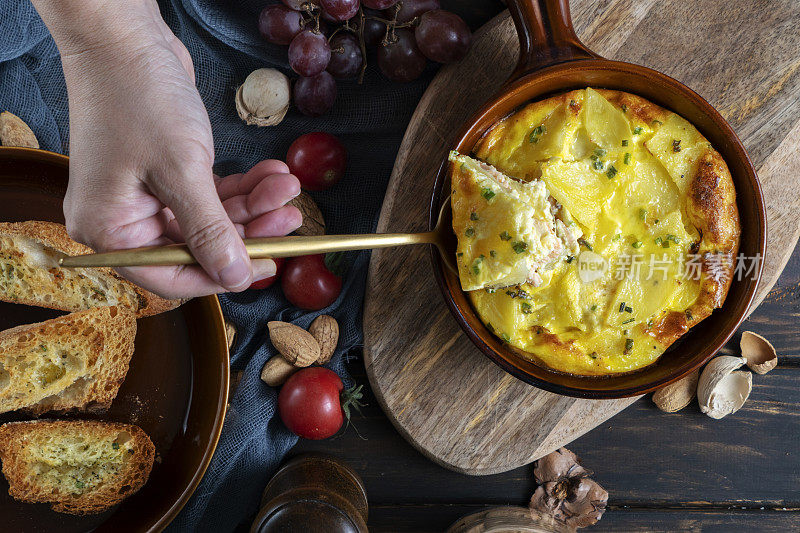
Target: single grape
(309, 53)
(339, 10)
(346, 58)
(278, 24)
(442, 36)
(374, 30)
(315, 96)
(413, 8)
(401, 60)
(299, 5)
(378, 4)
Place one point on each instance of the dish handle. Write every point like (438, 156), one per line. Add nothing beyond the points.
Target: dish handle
(546, 35)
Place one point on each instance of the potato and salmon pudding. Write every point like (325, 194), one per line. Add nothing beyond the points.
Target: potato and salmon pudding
(594, 229)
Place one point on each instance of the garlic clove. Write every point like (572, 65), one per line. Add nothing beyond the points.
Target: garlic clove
(759, 352)
(675, 396)
(721, 389)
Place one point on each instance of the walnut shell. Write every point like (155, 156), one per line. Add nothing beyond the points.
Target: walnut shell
(263, 98)
(276, 371)
(759, 352)
(325, 329)
(295, 344)
(313, 222)
(677, 395)
(14, 132)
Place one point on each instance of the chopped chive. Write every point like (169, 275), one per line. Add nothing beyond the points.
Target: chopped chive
(470, 232)
(593, 355)
(526, 308)
(638, 130)
(626, 331)
(505, 337)
(115, 445)
(624, 108)
(627, 159)
(570, 258)
(594, 307)
(688, 315)
(598, 165)
(628, 346)
(583, 242)
(658, 241)
(536, 133)
(624, 142)
(655, 221)
(476, 265)
(628, 309)
(611, 172)
(490, 290)
(665, 244)
(617, 237)
(80, 484)
(621, 307)
(628, 321)
(473, 216)
(642, 213)
(505, 236)
(657, 122)
(673, 238)
(460, 254)
(637, 244)
(599, 152)
(492, 253)
(676, 145)
(520, 246)
(487, 193)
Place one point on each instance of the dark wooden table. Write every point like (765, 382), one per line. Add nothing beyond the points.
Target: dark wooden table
(664, 472)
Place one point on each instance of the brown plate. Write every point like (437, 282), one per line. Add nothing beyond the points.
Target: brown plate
(553, 60)
(176, 389)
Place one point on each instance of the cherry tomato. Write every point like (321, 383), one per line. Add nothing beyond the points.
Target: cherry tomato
(309, 403)
(317, 159)
(267, 282)
(308, 283)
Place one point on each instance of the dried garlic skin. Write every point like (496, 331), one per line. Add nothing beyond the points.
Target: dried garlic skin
(263, 99)
(722, 390)
(759, 352)
(565, 491)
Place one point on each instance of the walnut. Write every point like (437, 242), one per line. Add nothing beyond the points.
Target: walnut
(565, 491)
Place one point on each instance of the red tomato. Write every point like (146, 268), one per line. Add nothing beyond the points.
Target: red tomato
(309, 403)
(308, 283)
(317, 159)
(267, 282)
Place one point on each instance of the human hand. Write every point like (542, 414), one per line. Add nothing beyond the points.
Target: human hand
(141, 161)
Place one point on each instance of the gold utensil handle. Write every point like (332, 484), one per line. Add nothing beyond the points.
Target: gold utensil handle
(179, 254)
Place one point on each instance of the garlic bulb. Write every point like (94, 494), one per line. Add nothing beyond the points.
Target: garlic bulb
(722, 390)
(263, 98)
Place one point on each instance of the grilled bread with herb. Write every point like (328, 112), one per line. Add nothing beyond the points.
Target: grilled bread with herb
(74, 362)
(78, 466)
(29, 274)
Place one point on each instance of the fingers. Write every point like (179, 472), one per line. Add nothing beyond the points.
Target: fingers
(275, 223)
(237, 184)
(191, 195)
(268, 194)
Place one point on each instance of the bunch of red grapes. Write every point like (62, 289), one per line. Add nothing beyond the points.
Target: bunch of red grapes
(328, 39)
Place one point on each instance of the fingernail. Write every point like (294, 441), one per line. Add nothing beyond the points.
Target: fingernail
(235, 275)
(263, 268)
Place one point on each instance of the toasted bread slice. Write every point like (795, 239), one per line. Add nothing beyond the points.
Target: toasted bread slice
(74, 362)
(78, 466)
(29, 274)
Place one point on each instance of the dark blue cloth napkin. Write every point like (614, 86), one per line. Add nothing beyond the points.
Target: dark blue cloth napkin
(370, 119)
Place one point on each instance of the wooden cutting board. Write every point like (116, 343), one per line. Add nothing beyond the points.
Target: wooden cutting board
(442, 394)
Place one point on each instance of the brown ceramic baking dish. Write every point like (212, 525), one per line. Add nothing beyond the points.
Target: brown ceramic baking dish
(176, 388)
(553, 60)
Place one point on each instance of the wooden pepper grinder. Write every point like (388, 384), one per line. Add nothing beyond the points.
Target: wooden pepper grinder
(313, 493)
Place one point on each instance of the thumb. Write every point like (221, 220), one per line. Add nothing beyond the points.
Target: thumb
(209, 232)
